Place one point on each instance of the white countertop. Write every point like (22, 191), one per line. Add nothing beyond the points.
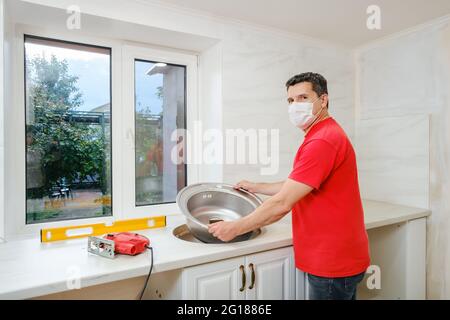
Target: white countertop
(29, 268)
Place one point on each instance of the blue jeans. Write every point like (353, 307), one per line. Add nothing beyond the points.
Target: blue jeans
(321, 288)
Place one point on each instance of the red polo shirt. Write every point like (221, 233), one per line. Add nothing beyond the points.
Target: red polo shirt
(329, 235)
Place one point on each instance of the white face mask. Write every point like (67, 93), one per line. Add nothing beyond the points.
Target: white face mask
(301, 114)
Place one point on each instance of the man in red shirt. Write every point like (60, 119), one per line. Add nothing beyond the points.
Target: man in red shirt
(329, 236)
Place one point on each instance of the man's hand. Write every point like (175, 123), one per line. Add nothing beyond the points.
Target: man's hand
(224, 230)
(267, 213)
(269, 189)
(247, 185)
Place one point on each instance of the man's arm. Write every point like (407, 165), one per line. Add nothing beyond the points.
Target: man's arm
(268, 189)
(269, 212)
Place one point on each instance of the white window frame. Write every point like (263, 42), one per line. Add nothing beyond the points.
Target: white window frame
(15, 196)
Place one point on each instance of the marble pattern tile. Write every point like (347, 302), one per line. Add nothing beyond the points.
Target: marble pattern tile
(405, 76)
(255, 69)
(401, 76)
(393, 159)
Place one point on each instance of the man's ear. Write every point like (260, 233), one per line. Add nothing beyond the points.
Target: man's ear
(325, 100)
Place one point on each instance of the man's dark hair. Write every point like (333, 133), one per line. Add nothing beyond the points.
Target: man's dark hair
(319, 83)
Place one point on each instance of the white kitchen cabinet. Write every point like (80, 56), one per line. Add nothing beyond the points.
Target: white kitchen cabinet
(220, 280)
(266, 275)
(398, 262)
(301, 285)
(274, 275)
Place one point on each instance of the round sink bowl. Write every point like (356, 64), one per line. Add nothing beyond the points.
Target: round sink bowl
(184, 233)
(207, 203)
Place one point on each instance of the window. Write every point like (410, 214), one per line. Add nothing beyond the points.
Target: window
(68, 130)
(160, 103)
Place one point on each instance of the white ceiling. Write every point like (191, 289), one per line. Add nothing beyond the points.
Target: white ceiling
(339, 21)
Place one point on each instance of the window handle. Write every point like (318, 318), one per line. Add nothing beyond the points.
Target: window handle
(252, 284)
(243, 278)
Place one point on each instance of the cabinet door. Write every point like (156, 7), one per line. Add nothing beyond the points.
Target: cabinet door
(300, 285)
(273, 274)
(220, 280)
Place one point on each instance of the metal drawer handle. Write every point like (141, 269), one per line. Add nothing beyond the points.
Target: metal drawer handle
(252, 285)
(243, 278)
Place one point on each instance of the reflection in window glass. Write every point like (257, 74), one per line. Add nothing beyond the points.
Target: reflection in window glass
(159, 111)
(68, 130)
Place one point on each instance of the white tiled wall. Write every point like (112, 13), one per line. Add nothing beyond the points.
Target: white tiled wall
(256, 67)
(404, 81)
(1, 125)
(393, 159)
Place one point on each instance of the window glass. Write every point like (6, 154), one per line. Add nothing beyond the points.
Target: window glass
(160, 105)
(68, 130)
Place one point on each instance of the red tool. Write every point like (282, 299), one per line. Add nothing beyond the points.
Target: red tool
(128, 243)
(122, 243)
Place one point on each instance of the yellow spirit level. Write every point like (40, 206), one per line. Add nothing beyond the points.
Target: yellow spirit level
(74, 232)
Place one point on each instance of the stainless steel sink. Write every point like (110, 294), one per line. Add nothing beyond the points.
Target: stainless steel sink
(206, 203)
